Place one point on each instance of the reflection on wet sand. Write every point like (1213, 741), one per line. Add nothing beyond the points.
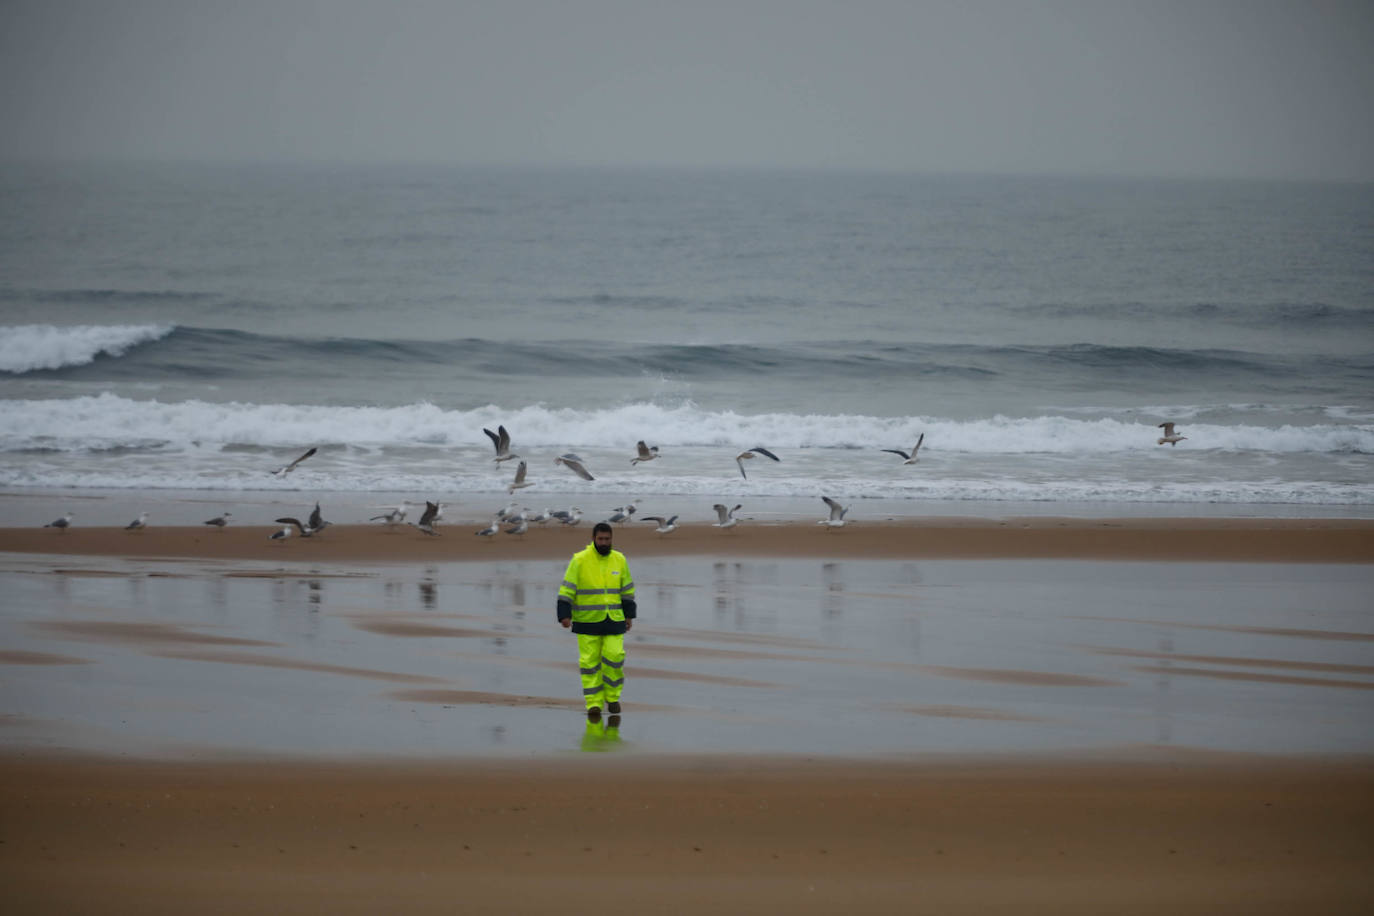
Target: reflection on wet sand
(270, 661)
(734, 655)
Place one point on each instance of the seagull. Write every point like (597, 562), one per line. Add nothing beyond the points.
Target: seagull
(910, 458)
(427, 520)
(219, 521)
(519, 527)
(317, 522)
(569, 517)
(139, 523)
(501, 439)
(726, 516)
(395, 515)
(749, 453)
(288, 468)
(836, 519)
(519, 482)
(305, 530)
(503, 514)
(1169, 436)
(541, 518)
(61, 524)
(282, 534)
(664, 524)
(646, 452)
(622, 513)
(490, 530)
(574, 464)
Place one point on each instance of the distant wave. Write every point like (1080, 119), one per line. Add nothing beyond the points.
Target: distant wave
(108, 421)
(34, 347)
(201, 353)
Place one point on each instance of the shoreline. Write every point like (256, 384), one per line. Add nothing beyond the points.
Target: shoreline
(1317, 540)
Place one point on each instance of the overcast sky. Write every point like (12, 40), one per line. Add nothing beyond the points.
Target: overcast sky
(1193, 88)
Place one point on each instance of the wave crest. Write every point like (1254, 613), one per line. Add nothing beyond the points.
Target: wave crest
(37, 347)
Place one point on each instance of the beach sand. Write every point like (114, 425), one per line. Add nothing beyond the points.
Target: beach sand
(987, 734)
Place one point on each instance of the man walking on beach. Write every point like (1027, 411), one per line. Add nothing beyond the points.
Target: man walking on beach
(597, 601)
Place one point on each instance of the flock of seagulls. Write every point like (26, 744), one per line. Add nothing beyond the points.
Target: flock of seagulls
(516, 521)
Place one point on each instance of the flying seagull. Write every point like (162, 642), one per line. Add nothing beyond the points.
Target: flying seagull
(139, 523)
(1169, 436)
(61, 524)
(501, 439)
(726, 516)
(219, 521)
(519, 482)
(574, 463)
(750, 453)
(664, 524)
(645, 452)
(395, 515)
(317, 522)
(427, 520)
(305, 530)
(910, 457)
(288, 468)
(836, 519)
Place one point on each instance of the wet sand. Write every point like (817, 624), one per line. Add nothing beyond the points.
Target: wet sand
(895, 718)
(1233, 539)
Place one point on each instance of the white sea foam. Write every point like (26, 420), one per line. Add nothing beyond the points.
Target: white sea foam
(109, 421)
(29, 347)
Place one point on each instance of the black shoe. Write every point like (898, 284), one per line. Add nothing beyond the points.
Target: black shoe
(594, 713)
(613, 707)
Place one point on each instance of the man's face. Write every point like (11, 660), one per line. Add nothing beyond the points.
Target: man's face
(602, 540)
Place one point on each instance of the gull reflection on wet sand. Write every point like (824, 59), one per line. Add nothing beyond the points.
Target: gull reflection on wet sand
(790, 656)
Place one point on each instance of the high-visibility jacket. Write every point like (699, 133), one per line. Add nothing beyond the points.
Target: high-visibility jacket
(598, 591)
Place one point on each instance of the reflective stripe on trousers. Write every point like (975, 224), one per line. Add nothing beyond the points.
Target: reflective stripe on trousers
(601, 662)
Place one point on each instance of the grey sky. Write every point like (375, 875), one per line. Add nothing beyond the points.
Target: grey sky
(1244, 89)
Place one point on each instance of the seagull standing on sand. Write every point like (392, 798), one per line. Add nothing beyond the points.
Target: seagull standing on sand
(520, 527)
(519, 483)
(139, 523)
(645, 452)
(750, 453)
(836, 519)
(288, 468)
(569, 517)
(621, 513)
(1169, 436)
(219, 521)
(664, 524)
(490, 530)
(501, 439)
(911, 457)
(726, 516)
(574, 463)
(282, 534)
(62, 524)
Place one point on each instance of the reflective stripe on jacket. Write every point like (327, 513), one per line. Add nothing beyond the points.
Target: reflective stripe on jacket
(595, 585)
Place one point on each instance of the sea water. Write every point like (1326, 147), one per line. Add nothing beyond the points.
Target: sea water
(190, 327)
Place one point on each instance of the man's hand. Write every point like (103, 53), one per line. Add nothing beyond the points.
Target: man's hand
(629, 625)
(567, 623)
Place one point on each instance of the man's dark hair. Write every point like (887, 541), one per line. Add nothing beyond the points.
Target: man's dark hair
(601, 526)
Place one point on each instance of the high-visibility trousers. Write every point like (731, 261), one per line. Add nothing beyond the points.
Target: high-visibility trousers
(601, 662)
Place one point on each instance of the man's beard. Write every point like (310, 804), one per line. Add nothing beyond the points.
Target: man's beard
(604, 551)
